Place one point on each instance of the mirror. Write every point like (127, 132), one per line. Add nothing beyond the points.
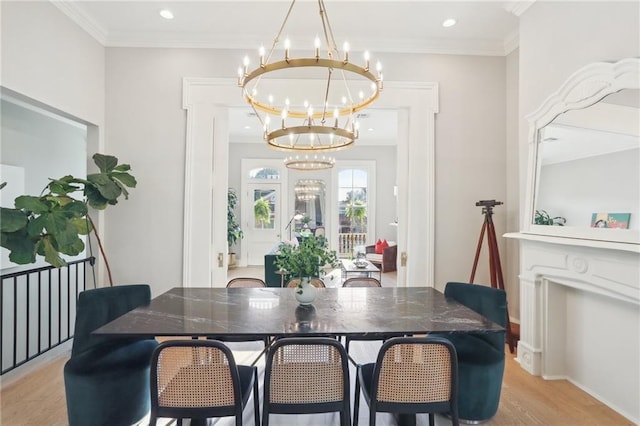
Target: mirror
(310, 203)
(585, 153)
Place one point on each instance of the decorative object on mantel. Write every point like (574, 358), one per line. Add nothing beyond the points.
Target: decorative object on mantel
(495, 268)
(543, 218)
(307, 115)
(50, 225)
(306, 260)
(610, 220)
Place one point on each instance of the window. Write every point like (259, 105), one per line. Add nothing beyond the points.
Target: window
(353, 201)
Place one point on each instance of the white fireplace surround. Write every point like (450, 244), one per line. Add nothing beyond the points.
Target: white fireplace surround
(580, 318)
(580, 288)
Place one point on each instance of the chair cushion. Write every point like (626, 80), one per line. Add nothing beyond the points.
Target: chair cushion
(375, 258)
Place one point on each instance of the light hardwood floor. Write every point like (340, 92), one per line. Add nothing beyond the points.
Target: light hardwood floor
(38, 399)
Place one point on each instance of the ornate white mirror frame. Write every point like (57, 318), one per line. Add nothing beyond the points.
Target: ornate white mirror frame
(584, 88)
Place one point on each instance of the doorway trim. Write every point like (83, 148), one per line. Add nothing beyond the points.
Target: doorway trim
(207, 100)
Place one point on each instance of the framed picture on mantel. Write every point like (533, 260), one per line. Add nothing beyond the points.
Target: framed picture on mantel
(610, 220)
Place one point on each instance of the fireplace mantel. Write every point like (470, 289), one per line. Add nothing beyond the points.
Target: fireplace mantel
(580, 285)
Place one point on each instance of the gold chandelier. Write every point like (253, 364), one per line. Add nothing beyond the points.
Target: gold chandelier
(310, 117)
(309, 162)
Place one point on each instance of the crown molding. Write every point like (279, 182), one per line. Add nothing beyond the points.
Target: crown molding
(386, 45)
(518, 7)
(512, 42)
(477, 47)
(85, 22)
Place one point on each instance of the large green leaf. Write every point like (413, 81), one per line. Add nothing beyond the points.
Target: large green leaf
(66, 237)
(76, 209)
(71, 248)
(64, 185)
(107, 187)
(122, 168)
(56, 222)
(125, 178)
(31, 203)
(82, 224)
(106, 163)
(12, 220)
(36, 226)
(51, 254)
(94, 198)
(22, 247)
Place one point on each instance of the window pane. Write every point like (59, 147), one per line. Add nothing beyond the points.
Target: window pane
(352, 201)
(264, 208)
(264, 173)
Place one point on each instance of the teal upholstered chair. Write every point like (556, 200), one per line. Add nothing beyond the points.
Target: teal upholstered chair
(480, 356)
(107, 379)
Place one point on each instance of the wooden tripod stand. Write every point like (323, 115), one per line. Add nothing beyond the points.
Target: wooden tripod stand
(495, 269)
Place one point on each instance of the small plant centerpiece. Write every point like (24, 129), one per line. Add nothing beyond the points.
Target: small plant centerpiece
(306, 260)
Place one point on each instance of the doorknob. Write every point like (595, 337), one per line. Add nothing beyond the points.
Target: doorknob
(220, 260)
(403, 258)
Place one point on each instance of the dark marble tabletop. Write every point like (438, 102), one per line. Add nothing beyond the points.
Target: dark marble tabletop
(275, 312)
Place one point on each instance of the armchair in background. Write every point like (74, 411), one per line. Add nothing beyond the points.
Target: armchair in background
(386, 260)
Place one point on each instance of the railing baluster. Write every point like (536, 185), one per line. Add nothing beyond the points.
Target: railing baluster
(22, 309)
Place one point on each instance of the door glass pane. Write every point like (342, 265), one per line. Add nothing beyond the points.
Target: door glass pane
(264, 208)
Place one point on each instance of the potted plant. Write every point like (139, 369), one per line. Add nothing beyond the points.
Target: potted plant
(234, 232)
(304, 261)
(356, 211)
(543, 218)
(50, 225)
(262, 211)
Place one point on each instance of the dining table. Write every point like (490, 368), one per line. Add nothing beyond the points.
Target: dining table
(275, 312)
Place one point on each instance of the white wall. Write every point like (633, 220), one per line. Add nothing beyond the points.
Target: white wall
(557, 39)
(147, 126)
(47, 57)
(49, 61)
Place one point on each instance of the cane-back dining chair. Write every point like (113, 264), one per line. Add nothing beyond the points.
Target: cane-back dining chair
(362, 282)
(306, 375)
(198, 379)
(411, 375)
(246, 282)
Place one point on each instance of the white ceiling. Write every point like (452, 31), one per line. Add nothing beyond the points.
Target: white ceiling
(483, 28)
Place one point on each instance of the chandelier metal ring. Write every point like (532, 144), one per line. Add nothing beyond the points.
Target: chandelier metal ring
(310, 62)
(342, 138)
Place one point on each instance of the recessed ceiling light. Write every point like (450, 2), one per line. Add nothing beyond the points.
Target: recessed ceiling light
(166, 14)
(247, 127)
(370, 129)
(449, 22)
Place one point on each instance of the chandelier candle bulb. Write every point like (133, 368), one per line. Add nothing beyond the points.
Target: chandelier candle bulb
(345, 47)
(245, 62)
(316, 44)
(261, 54)
(287, 46)
(366, 60)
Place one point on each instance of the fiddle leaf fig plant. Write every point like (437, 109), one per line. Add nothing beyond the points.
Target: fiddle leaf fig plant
(50, 225)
